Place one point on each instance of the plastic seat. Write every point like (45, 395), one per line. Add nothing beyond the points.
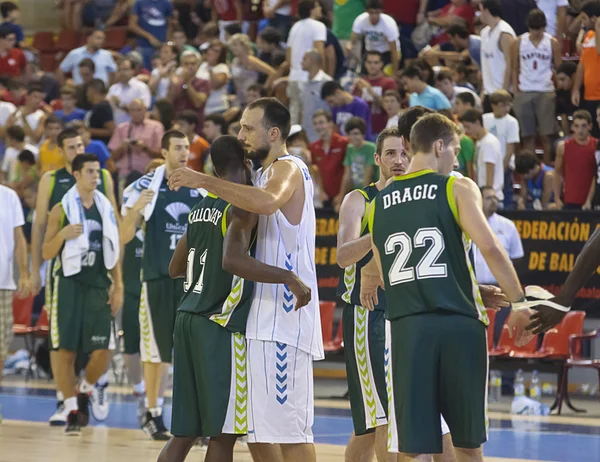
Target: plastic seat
(506, 345)
(116, 38)
(330, 344)
(490, 330)
(42, 328)
(48, 61)
(44, 42)
(67, 40)
(22, 311)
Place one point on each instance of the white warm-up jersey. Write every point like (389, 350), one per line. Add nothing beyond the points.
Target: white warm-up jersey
(272, 316)
(493, 61)
(535, 64)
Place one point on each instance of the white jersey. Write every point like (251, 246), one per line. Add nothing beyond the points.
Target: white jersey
(272, 316)
(535, 64)
(493, 61)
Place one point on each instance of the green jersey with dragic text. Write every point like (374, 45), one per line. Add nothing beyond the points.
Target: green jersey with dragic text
(209, 290)
(349, 286)
(93, 271)
(165, 227)
(425, 256)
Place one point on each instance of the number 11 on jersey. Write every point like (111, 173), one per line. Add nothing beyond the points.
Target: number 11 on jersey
(189, 277)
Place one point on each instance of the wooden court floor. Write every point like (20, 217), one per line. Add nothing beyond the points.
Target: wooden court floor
(22, 441)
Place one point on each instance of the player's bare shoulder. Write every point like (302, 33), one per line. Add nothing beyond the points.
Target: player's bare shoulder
(354, 204)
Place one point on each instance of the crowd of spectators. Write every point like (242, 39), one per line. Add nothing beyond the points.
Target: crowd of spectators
(521, 77)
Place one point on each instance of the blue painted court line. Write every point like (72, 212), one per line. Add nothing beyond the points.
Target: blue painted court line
(510, 439)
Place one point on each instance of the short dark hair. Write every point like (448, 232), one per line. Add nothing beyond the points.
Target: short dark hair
(81, 159)
(7, 8)
(130, 61)
(27, 157)
(394, 94)
(97, 85)
(525, 162)
(374, 5)
(68, 90)
(304, 8)
(409, 118)
(472, 116)
(16, 132)
(227, 154)
(329, 89)
(500, 96)
(52, 119)
(87, 62)
(568, 68)
(446, 113)
(493, 6)
(258, 88)
(96, 29)
(466, 97)
(412, 72)
(430, 128)
(536, 19)
(591, 8)
(322, 113)
(270, 35)
(374, 53)
(34, 88)
(582, 114)
(217, 119)
(458, 29)
(165, 142)
(356, 123)
(66, 134)
(234, 28)
(275, 115)
(386, 133)
(188, 116)
(5, 30)
(444, 74)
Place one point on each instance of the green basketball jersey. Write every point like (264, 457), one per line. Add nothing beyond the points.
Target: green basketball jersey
(164, 229)
(93, 272)
(61, 181)
(349, 286)
(132, 264)
(424, 252)
(209, 290)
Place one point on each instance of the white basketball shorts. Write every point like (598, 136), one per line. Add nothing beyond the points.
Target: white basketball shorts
(280, 393)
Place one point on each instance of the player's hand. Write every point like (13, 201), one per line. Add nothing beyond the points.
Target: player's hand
(545, 317)
(145, 198)
(186, 177)
(71, 232)
(115, 298)
(369, 286)
(493, 297)
(35, 282)
(300, 290)
(517, 321)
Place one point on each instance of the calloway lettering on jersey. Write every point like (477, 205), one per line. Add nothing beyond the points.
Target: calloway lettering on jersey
(414, 193)
(208, 215)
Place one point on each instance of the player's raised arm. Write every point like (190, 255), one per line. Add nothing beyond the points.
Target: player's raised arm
(178, 263)
(237, 261)
(284, 180)
(473, 222)
(351, 247)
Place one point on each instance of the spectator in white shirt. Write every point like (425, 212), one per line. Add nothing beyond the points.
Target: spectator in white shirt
(556, 16)
(504, 229)
(30, 116)
(306, 34)
(214, 68)
(381, 34)
(490, 162)
(125, 91)
(6, 110)
(13, 247)
(279, 14)
(311, 92)
(15, 144)
(392, 103)
(161, 75)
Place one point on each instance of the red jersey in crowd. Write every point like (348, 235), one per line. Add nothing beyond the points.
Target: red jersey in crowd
(404, 11)
(330, 163)
(380, 86)
(579, 169)
(225, 9)
(12, 64)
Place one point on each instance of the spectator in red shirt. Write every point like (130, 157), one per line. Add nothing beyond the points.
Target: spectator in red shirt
(451, 14)
(328, 154)
(575, 166)
(12, 60)
(371, 88)
(228, 12)
(407, 13)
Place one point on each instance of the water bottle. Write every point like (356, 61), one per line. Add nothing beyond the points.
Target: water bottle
(534, 389)
(495, 386)
(519, 384)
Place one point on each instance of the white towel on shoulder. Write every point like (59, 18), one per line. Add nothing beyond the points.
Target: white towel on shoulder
(151, 181)
(74, 249)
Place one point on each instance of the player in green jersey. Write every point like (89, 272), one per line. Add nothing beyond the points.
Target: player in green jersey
(436, 349)
(209, 381)
(163, 215)
(52, 187)
(84, 299)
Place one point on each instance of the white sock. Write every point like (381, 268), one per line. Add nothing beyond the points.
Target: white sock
(85, 387)
(59, 396)
(160, 402)
(139, 388)
(71, 404)
(103, 380)
(156, 411)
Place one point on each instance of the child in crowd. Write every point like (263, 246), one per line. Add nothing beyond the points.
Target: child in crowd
(359, 164)
(24, 173)
(69, 112)
(51, 156)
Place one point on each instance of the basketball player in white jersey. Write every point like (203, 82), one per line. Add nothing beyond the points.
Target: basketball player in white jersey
(282, 343)
(534, 54)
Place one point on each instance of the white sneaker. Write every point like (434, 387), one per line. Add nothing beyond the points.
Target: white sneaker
(100, 404)
(59, 418)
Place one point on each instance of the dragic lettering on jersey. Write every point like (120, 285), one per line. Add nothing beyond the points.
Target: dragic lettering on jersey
(414, 193)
